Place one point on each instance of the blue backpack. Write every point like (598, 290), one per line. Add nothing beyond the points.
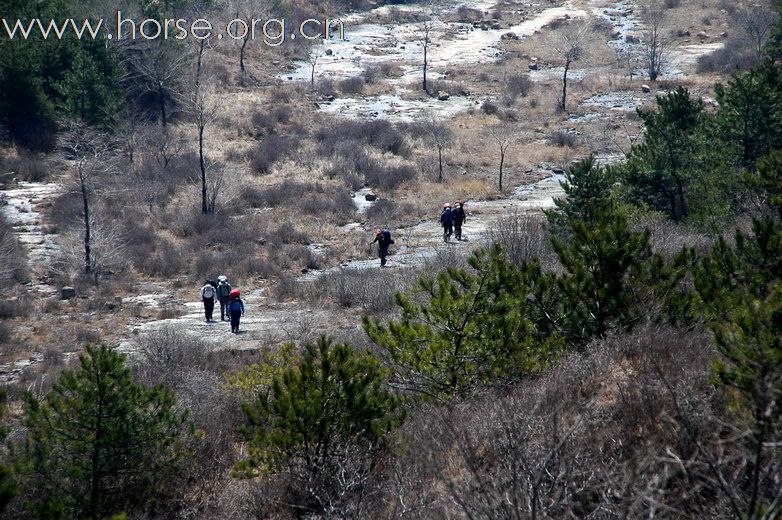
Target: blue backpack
(235, 305)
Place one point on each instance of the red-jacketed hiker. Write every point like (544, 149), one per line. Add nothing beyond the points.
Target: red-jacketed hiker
(235, 309)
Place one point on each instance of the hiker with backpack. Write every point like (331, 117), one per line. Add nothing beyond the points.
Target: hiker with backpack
(384, 240)
(223, 294)
(459, 218)
(446, 220)
(208, 294)
(235, 309)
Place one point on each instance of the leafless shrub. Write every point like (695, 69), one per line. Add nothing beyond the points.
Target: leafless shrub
(377, 133)
(13, 264)
(736, 53)
(524, 237)
(563, 138)
(390, 177)
(518, 85)
(371, 290)
(354, 85)
(272, 149)
(30, 168)
(489, 108)
(5, 333)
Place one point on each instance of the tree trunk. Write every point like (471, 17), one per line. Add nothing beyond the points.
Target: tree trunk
(563, 104)
(440, 158)
(241, 60)
(86, 213)
(502, 162)
(162, 96)
(202, 163)
(426, 48)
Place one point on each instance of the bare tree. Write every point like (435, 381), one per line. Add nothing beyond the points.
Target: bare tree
(654, 39)
(312, 59)
(247, 17)
(502, 137)
(569, 46)
(91, 153)
(203, 108)
(426, 31)
(157, 72)
(757, 22)
(439, 136)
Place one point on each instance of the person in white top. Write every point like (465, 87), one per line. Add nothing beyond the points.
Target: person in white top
(208, 293)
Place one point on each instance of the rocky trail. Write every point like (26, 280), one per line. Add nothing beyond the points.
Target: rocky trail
(21, 207)
(269, 321)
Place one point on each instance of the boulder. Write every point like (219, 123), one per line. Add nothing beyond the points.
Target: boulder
(495, 25)
(370, 197)
(533, 65)
(443, 96)
(510, 36)
(645, 89)
(557, 171)
(632, 39)
(66, 293)
(702, 35)
(329, 52)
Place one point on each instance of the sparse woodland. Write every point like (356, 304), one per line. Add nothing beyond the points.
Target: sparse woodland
(617, 355)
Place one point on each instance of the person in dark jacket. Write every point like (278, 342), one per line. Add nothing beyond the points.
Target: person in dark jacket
(459, 218)
(384, 240)
(223, 291)
(208, 294)
(446, 220)
(235, 309)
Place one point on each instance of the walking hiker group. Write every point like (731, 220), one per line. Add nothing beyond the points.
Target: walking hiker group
(452, 220)
(231, 303)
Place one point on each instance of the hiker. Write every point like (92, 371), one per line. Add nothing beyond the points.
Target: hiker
(459, 218)
(235, 309)
(208, 297)
(446, 219)
(223, 293)
(383, 239)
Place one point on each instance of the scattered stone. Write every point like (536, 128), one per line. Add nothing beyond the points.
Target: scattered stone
(723, 34)
(682, 33)
(645, 89)
(702, 35)
(557, 171)
(495, 24)
(370, 197)
(510, 36)
(443, 96)
(632, 39)
(66, 293)
(329, 52)
(533, 65)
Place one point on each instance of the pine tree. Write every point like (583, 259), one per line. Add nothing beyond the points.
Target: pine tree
(332, 397)
(659, 171)
(587, 189)
(8, 486)
(99, 444)
(739, 291)
(768, 180)
(461, 329)
(733, 275)
(605, 262)
(749, 119)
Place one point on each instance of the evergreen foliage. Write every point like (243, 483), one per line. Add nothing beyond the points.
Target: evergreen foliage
(334, 396)
(98, 444)
(463, 328)
(8, 485)
(44, 79)
(660, 170)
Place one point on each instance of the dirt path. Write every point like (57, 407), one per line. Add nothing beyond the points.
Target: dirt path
(21, 206)
(267, 321)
